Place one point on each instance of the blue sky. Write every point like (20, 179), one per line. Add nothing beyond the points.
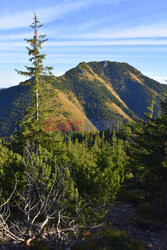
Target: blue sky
(132, 31)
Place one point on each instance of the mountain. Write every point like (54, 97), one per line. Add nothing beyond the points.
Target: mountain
(93, 94)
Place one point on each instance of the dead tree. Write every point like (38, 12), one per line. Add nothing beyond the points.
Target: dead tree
(5, 231)
(43, 204)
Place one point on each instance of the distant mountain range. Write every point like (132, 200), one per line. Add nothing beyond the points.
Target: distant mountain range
(93, 94)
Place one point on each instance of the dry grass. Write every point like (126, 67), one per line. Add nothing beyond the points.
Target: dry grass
(118, 110)
(67, 110)
(134, 77)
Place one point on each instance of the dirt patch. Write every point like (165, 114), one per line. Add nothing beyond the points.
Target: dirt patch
(122, 217)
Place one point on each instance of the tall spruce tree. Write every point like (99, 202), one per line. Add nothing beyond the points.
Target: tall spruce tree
(32, 125)
(36, 70)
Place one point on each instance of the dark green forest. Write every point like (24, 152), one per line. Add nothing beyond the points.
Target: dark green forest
(57, 188)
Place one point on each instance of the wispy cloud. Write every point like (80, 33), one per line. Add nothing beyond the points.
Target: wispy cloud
(15, 36)
(22, 20)
(17, 20)
(109, 42)
(156, 30)
(11, 45)
(48, 14)
(7, 46)
(150, 31)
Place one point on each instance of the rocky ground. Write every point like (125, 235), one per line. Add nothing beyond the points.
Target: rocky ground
(122, 217)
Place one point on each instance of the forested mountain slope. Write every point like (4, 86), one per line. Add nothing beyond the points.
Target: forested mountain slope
(98, 92)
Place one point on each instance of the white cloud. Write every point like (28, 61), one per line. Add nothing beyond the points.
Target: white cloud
(51, 45)
(17, 20)
(108, 43)
(151, 31)
(158, 30)
(161, 79)
(21, 20)
(15, 36)
(138, 32)
(11, 45)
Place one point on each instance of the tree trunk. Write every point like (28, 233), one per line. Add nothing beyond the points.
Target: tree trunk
(155, 197)
(37, 102)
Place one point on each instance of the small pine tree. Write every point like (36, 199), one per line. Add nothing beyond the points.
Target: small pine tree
(148, 157)
(150, 109)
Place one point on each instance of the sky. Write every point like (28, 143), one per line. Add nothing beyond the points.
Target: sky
(132, 31)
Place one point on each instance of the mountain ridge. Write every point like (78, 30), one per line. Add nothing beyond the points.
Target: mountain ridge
(93, 91)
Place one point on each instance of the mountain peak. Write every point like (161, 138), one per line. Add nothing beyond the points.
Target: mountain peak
(97, 92)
